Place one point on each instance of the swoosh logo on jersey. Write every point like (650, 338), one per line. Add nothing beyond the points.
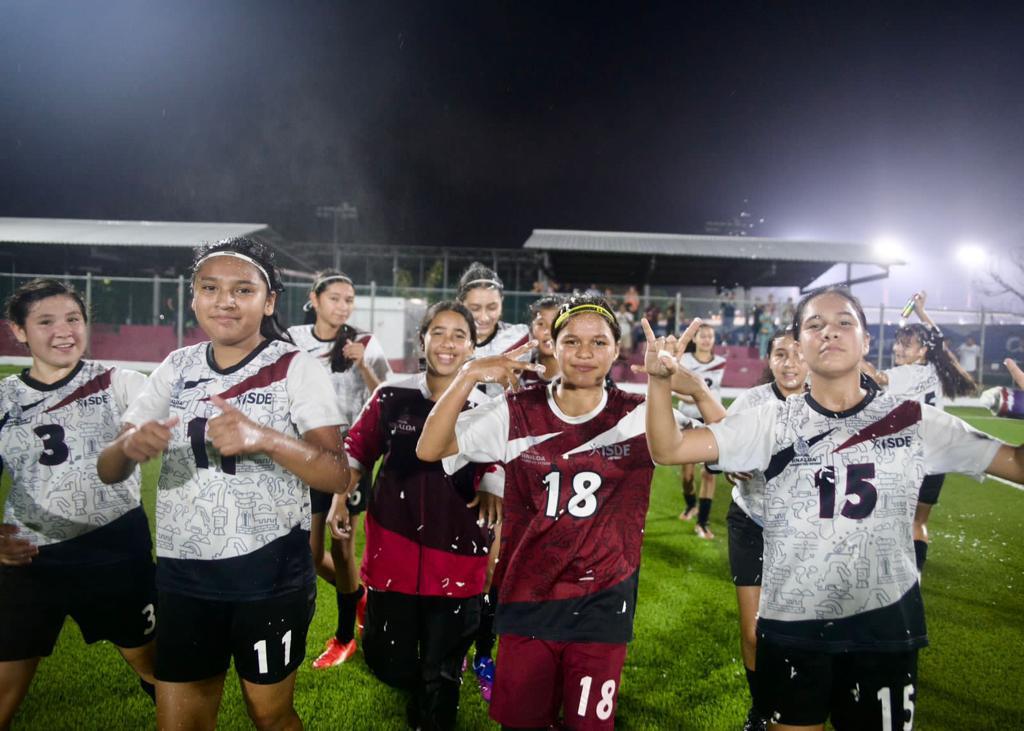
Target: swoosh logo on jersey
(906, 414)
(781, 460)
(97, 384)
(3, 423)
(266, 375)
(32, 405)
(517, 446)
(629, 426)
(192, 384)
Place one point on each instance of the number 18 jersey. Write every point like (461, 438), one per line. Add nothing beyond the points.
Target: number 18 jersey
(576, 496)
(840, 495)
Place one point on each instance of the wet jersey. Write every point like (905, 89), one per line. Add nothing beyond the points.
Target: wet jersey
(576, 496)
(349, 386)
(840, 495)
(233, 527)
(711, 372)
(917, 382)
(51, 436)
(749, 494)
(420, 536)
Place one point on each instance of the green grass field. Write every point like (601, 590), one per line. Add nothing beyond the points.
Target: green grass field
(683, 670)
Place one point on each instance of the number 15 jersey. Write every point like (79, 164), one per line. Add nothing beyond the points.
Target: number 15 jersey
(576, 495)
(840, 495)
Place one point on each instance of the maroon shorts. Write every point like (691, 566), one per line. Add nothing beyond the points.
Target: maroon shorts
(536, 679)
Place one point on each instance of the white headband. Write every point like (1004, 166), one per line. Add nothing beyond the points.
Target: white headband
(332, 278)
(493, 282)
(236, 255)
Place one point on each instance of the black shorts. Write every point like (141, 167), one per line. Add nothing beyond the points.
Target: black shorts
(319, 502)
(113, 602)
(931, 486)
(746, 547)
(862, 691)
(266, 637)
(359, 498)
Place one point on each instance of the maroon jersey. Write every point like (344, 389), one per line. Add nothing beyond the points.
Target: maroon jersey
(576, 496)
(420, 536)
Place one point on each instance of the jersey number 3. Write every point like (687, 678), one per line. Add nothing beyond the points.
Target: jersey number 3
(582, 502)
(55, 449)
(861, 495)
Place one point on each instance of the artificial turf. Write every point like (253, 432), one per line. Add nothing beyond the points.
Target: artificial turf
(683, 670)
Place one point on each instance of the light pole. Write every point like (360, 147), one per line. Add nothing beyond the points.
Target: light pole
(343, 211)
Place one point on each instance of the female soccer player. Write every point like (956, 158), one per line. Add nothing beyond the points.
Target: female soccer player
(542, 317)
(927, 372)
(246, 423)
(841, 617)
(786, 376)
(69, 545)
(480, 290)
(426, 555)
(703, 361)
(577, 485)
(357, 365)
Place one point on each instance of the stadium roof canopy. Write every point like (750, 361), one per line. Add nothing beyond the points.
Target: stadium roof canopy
(608, 257)
(48, 245)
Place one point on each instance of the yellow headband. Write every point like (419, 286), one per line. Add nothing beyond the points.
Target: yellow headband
(602, 311)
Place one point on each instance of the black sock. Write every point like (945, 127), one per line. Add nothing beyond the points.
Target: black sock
(485, 632)
(921, 553)
(148, 688)
(691, 500)
(751, 678)
(347, 602)
(704, 512)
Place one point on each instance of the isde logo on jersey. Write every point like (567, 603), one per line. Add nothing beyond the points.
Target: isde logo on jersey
(255, 399)
(887, 443)
(611, 452)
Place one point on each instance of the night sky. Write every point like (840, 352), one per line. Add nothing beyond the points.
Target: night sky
(473, 123)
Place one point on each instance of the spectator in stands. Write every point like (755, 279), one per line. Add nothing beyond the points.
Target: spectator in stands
(625, 320)
(632, 299)
(968, 353)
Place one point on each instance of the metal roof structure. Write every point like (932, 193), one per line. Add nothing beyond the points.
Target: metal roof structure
(612, 257)
(84, 232)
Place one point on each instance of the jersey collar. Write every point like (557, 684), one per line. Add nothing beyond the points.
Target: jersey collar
(237, 366)
(40, 386)
(574, 419)
(841, 414)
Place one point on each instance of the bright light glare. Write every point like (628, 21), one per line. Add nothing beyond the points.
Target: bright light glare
(890, 248)
(971, 255)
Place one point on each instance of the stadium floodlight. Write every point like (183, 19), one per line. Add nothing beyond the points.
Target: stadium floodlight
(889, 248)
(972, 255)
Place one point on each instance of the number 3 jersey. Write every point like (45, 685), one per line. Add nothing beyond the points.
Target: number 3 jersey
(233, 527)
(576, 495)
(840, 495)
(711, 372)
(50, 438)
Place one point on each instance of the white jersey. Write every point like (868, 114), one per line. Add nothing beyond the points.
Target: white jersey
(916, 382)
(840, 495)
(349, 386)
(233, 527)
(505, 337)
(749, 494)
(50, 438)
(711, 372)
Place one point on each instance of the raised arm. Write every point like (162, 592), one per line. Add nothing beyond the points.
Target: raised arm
(667, 444)
(438, 440)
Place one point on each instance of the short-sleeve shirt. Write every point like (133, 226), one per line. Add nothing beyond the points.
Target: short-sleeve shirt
(711, 372)
(233, 527)
(840, 495)
(505, 337)
(749, 494)
(916, 382)
(420, 536)
(576, 496)
(349, 386)
(969, 357)
(51, 436)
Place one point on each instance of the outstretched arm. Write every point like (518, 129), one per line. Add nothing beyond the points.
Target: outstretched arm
(437, 440)
(667, 444)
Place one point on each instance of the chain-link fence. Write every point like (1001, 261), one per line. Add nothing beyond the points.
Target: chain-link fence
(143, 319)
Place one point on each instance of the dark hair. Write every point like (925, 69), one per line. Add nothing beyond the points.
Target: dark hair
(783, 332)
(21, 301)
(477, 275)
(547, 302)
(263, 255)
(339, 362)
(954, 379)
(594, 300)
(325, 278)
(447, 306)
(843, 292)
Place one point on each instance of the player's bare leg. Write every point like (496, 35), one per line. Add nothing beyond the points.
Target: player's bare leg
(689, 495)
(15, 678)
(707, 494)
(188, 706)
(921, 515)
(271, 707)
(349, 595)
(323, 561)
(142, 660)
